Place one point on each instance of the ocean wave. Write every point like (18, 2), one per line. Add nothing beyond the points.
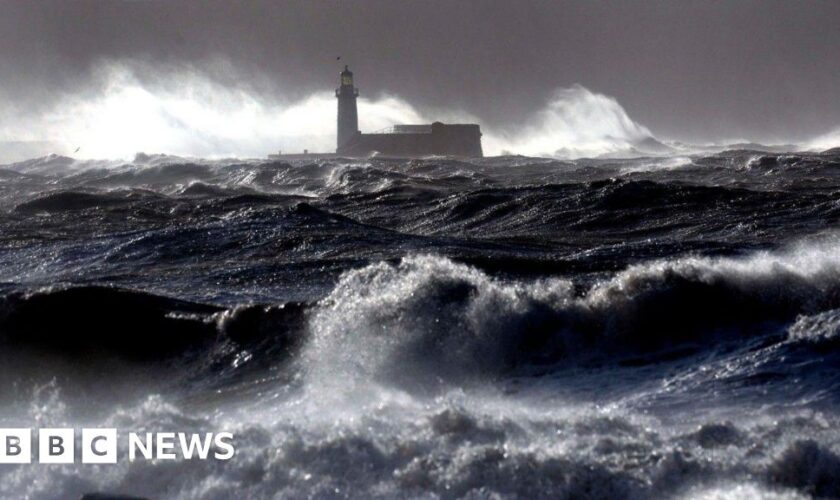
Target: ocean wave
(70, 200)
(129, 324)
(428, 319)
(740, 176)
(104, 323)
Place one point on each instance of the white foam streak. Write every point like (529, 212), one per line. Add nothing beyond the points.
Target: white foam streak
(816, 327)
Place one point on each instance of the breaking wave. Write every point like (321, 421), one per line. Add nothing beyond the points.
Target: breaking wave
(577, 122)
(824, 142)
(428, 319)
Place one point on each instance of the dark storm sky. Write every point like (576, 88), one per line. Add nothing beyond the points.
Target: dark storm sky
(692, 70)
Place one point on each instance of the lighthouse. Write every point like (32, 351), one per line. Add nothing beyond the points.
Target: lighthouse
(400, 141)
(348, 117)
(440, 139)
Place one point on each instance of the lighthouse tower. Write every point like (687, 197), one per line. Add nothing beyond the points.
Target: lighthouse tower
(348, 117)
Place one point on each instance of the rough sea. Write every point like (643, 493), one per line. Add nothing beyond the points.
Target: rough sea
(506, 327)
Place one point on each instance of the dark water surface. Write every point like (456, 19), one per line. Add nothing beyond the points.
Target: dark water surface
(505, 327)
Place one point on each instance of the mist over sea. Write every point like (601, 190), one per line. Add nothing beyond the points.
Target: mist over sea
(184, 112)
(506, 327)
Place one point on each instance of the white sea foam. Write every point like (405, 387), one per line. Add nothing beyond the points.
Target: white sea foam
(460, 445)
(662, 164)
(826, 141)
(823, 325)
(575, 122)
(749, 491)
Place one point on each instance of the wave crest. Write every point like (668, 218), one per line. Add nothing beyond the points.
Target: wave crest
(577, 122)
(427, 319)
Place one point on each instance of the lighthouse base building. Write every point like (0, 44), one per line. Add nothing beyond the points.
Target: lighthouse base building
(417, 140)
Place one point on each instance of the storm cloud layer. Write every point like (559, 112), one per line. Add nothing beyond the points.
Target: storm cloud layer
(692, 71)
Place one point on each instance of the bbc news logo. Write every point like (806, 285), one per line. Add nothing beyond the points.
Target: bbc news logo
(100, 446)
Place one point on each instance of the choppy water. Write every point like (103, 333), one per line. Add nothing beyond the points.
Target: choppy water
(506, 327)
